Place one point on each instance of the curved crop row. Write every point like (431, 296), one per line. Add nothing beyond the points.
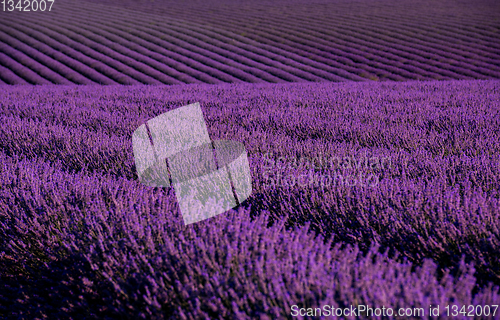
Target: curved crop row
(207, 66)
(226, 58)
(306, 24)
(31, 58)
(107, 56)
(7, 76)
(108, 67)
(46, 55)
(157, 37)
(320, 39)
(217, 42)
(20, 70)
(46, 45)
(280, 60)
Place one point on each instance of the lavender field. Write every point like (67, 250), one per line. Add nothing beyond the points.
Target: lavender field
(81, 235)
(373, 136)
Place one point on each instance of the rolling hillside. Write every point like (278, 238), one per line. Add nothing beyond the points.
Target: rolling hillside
(173, 42)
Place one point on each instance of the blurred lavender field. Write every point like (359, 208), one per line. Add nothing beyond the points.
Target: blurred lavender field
(82, 238)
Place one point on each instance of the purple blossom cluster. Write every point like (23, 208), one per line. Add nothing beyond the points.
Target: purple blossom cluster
(81, 237)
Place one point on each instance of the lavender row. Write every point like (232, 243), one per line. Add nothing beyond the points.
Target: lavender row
(415, 21)
(461, 55)
(339, 68)
(280, 59)
(136, 260)
(252, 50)
(113, 68)
(327, 53)
(350, 43)
(39, 72)
(478, 15)
(282, 65)
(199, 62)
(409, 51)
(217, 64)
(109, 67)
(102, 54)
(153, 36)
(130, 66)
(93, 69)
(167, 65)
(15, 73)
(322, 24)
(55, 61)
(330, 53)
(443, 43)
(254, 53)
(150, 66)
(176, 40)
(235, 60)
(484, 41)
(411, 32)
(422, 14)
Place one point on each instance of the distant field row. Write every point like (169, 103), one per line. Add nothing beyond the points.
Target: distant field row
(171, 42)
